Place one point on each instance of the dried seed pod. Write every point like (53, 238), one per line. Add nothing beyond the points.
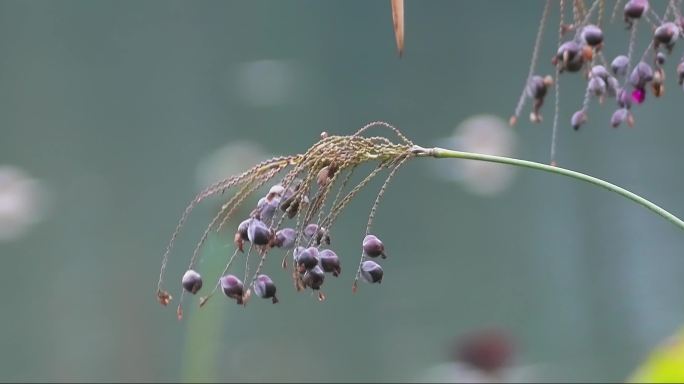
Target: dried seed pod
(658, 83)
(232, 287)
(191, 281)
(592, 35)
(578, 118)
(265, 288)
(373, 247)
(313, 278)
(285, 238)
(371, 272)
(258, 233)
(329, 262)
(620, 65)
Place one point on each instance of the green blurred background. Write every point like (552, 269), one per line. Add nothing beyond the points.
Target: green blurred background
(123, 110)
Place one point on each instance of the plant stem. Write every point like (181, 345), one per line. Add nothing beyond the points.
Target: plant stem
(441, 153)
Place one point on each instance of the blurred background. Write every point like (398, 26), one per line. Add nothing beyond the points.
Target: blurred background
(113, 114)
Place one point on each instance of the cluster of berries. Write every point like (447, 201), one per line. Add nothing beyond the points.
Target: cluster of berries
(301, 197)
(624, 78)
(311, 262)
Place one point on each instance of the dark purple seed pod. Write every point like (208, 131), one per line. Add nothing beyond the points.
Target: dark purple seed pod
(313, 278)
(307, 258)
(265, 288)
(612, 86)
(667, 34)
(320, 233)
(592, 35)
(266, 208)
(371, 272)
(597, 86)
(624, 99)
(275, 191)
(619, 65)
(660, 58)
(600, 71)
(536, 88)
(232, 287)
(242, 229)
(285, 238)
(620, 116)
(191, 281)
(258, 233)
(578, 118)
(373, 247)
(680, 73)
(569, 57)
(635, 8)
(641, 74)
(329, 262)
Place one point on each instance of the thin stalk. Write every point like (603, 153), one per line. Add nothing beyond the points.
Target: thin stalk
(441, 153)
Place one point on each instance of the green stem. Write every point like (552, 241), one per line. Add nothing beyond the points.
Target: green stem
(441, 153)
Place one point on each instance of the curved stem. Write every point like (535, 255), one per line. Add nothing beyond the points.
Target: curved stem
(441, 153)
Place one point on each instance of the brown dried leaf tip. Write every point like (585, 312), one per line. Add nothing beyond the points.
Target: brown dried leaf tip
(305, 193)
(398, 23)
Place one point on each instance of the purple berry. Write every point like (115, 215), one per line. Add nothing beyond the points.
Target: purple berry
(597, 86)
(313, 278)
(258, 233)
(620, 116)
(599, 71)
(371, 272)
(660, 58)
(619, 65)
(232, 287)
(191, 281)
(242, 229)
(592, 35)
(578, 118)
(306, 258)
(329, 262)
(266, 208)
(536, 87)
(320, 234)
(667, 34)
(569, 57)
(285, 238)
(624, 99)
(373, 247)
(635, 8)
(641, 74)
(265, 288)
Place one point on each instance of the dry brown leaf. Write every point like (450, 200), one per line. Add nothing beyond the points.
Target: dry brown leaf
(398, 20)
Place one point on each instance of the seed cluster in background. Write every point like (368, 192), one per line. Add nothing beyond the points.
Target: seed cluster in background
(627, 78)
